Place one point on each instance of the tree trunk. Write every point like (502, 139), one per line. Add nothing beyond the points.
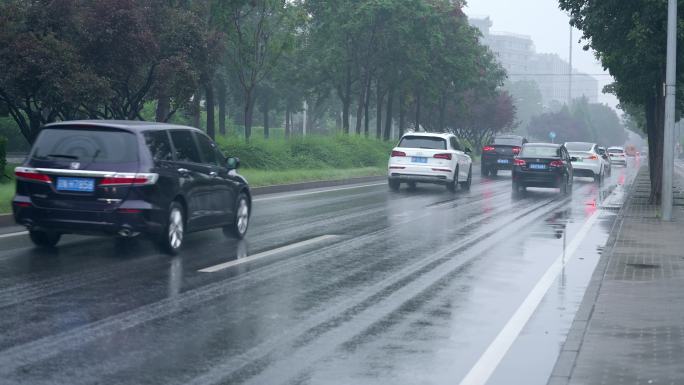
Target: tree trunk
(265, 108)
(402, 114)
(287, 120)
(196, 109)
(209, 91)
(345, 115)
(366, 107)
(163, 109)
(442, 112)
(249, 110)
(388, 115)
(222, 106)
(359, 112)
(417, 111)
(346, 101)
(378, 110)
(655, 119)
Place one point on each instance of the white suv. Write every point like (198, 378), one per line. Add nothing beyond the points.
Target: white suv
(586, 160)
(430, 158)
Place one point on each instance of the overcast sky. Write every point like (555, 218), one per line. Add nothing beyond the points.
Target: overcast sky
(547, 25)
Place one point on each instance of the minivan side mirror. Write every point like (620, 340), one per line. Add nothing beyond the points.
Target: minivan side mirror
(232, 163)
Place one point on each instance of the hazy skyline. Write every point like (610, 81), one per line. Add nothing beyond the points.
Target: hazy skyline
(548, 27)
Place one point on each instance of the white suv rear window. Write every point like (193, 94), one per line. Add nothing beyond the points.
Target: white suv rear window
(427, 142)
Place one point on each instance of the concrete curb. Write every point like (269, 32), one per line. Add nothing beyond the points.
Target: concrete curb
(7, 220)
(567, 359)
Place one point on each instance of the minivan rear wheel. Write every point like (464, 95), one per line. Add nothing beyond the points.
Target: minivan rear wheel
(171, 239)
(44, 238)
(238, 228)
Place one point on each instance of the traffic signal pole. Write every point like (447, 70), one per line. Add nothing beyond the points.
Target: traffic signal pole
(670, 87)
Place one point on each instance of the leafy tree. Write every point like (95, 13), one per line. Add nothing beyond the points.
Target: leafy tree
(527, 99)
(629, 38)
(563, 123)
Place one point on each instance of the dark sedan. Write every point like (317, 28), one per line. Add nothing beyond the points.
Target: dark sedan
(499, 153)
(543, 165)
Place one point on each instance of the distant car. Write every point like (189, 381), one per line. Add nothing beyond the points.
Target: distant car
(124, 178)
(430, 158)
(543, 165)
(631, 150)
(617, 155)
(586, 161)
(499, 153)
(608, 169)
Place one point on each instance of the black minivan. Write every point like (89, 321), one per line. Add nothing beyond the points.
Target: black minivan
(126, 178)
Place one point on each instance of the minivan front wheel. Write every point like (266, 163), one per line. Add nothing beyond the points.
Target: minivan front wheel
(171, 239)
(44, 238)
(240, 223)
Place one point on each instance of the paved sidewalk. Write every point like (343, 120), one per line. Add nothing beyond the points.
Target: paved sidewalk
(630, 326)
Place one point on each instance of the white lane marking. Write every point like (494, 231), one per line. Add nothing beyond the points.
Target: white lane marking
(225, 265)
(483, 369)
(13, 234)
(317, 192)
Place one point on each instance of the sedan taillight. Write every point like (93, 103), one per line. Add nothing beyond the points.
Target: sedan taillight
(516, 150)
(556, 163)
(30, 174)
(519, 162)
(488, 149)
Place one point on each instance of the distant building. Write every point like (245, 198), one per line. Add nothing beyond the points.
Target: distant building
(518, 56)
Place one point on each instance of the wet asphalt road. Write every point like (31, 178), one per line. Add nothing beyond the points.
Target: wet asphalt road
(353, 286)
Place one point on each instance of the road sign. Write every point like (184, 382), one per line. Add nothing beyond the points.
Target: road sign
(552, 135)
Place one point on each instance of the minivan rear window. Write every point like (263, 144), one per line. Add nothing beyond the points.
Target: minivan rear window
(86, 145)
(431, 143)
(507, 141)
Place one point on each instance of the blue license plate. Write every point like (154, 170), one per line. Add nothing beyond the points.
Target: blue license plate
(418, 159)
(537, 166)
(502, 161)
(76, 184)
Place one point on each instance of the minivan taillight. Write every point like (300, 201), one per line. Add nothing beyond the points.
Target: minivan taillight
(398, 154)
(442, 156)
(129, 180)
(30, 174)
(488, 149)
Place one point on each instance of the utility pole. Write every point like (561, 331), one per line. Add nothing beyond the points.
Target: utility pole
(670, 87)
(570, 69)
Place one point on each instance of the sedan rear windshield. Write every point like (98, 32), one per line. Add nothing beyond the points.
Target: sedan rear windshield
(616, 150)
(101, 146)
(579, 146)
(540, 152)
(427, 142)
(507, 141)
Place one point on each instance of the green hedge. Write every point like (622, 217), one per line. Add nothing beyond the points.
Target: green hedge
(310, 152)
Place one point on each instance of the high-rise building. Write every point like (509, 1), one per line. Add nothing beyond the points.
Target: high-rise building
(518, 56)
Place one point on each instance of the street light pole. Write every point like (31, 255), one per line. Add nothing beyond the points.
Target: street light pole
(570, 69)
(670, 87)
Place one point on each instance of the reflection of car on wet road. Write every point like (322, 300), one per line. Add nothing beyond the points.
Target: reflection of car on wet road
(617, 155)
(499, 154)
(586, 161)
(127, 178)
(430, 158)
(543, 165)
